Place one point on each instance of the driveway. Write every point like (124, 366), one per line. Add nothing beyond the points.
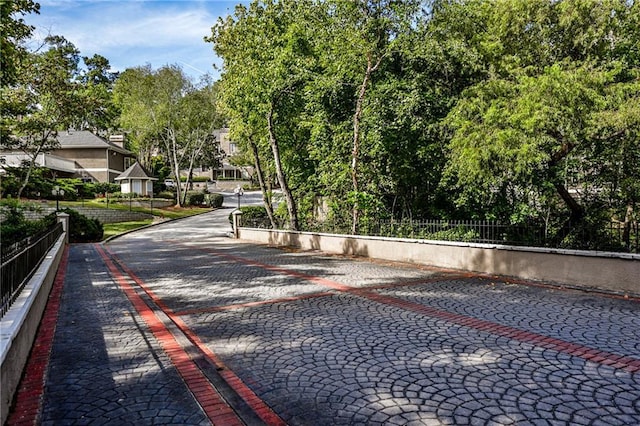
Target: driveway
(215, 330)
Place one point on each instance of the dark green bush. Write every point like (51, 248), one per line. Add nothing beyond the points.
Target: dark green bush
(195, 198)
(104, 187)
(167, 195)
(15, 227)
(215, 200)
(253, 216)
(83, 229)
(195, 179)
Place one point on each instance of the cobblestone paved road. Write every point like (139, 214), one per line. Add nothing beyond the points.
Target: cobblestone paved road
(305, 339)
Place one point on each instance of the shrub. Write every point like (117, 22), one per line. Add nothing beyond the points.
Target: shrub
(255, 216)
(104, 187)
(215, 200)
(167, 195)
(195, 198)
(458, 233)
(15, 227)
(83, 229)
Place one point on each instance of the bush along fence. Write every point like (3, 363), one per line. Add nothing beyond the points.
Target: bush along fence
(611, 236)
(20, 261)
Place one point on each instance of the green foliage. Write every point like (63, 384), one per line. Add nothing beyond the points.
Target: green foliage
(458, 233)
(38, 186)
(167, 195)
(13, 33)
(195, 179)
(195, 198)
(214, 200)
(83, 229)
(104, 187)
(549, 120)
(527, 111)
(71, 188)
(164, 111)
(253, 215)
(15, 227)
(43, 99)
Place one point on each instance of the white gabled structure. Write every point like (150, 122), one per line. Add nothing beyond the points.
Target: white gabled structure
(136, 180)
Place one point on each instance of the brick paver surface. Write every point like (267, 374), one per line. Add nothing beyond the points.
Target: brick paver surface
(329, 340)
(310, 339)
(106, 367)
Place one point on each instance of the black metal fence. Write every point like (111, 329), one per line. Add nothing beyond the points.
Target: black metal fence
(20, 261)
(610, 236)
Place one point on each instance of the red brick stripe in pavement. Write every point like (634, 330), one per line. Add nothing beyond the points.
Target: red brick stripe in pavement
(626, 363)
(259, 407)
(216, 409)
(28, 400)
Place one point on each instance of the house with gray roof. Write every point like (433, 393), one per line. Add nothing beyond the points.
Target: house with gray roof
(80, 154)
(96, 158)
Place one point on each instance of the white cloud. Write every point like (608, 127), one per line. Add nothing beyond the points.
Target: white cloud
(131, 33)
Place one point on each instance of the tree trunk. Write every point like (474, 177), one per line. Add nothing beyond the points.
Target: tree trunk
(266, 199)
(576, 215)
(192, 159)
(32, 163)
(355, 152)
(576, 210)
(25, 182)
(172, 153)
(291, 205)
(626, 230)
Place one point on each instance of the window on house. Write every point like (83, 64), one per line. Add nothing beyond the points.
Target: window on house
(233, 148)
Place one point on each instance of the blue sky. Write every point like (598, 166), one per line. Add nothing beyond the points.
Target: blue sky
(130, 33)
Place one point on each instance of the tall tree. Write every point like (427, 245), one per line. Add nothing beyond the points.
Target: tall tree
(164, 109)
(359, 37)
(150, 102)
(196, 124)
(545, 113)
(133, 95)
(266, 63)
(44, 99)
(13, 33)
(99, 112)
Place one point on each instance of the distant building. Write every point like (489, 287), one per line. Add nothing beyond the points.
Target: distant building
(81, 154)
(227, 171)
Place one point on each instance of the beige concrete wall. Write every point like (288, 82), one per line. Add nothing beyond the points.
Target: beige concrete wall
(614, 272)
(20, 324)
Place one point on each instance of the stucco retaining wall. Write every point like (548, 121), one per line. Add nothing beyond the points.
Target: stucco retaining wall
(19, 326)
(612, 272)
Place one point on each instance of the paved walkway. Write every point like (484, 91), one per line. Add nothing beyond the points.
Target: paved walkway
(178, 324)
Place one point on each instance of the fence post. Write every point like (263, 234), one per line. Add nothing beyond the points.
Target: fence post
(237, 215)
(64, 219)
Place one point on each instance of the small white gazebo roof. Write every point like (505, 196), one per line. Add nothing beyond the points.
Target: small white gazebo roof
(135, 172)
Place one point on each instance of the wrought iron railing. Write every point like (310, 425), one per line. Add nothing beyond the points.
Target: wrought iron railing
(610, 236)
(20, 261)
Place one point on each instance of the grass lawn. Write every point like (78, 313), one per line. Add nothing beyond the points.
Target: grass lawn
(166, 212)
(111, 229)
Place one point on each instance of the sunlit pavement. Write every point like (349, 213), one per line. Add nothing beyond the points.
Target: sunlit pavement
(178, 324)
